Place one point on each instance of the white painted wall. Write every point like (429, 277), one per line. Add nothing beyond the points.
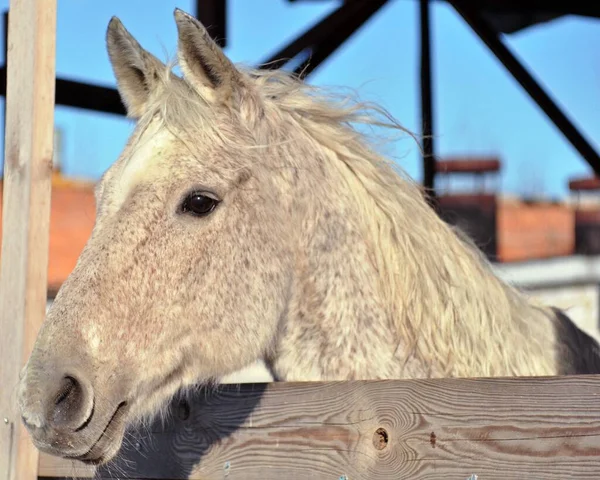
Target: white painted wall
(569, 283)
(579, 302)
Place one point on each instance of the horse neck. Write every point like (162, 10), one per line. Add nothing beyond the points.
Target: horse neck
(384, 288)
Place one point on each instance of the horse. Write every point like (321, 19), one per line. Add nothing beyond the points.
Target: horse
(249, 217)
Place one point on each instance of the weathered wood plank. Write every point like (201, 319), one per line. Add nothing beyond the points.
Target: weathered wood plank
(513, 428)
(26, 213)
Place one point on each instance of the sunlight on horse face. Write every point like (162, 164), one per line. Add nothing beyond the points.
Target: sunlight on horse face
(186, 255)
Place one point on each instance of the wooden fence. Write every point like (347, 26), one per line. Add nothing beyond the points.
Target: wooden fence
(543, 428)
(513, 428)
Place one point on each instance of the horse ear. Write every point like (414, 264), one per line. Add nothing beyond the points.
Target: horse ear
(136, 70)
(203, 63)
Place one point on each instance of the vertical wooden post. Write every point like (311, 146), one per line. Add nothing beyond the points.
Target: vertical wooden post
(29, 125)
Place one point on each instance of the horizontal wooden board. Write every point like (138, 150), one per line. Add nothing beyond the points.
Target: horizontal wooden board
(508, 428)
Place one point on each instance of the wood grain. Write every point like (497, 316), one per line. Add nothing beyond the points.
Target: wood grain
(509, 428)
(26, 213)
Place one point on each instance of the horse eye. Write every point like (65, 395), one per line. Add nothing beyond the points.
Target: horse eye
(199, 204)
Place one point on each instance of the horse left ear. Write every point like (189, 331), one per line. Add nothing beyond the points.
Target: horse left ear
(203, 63)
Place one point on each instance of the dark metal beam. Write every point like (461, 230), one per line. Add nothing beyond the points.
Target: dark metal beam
(105, 99)
(71, 93)
(213, 15)
(80, 95)
(427, 103)
(316, 35)
(323, 50)
(520, 73)
(573, 7)
(3, 74)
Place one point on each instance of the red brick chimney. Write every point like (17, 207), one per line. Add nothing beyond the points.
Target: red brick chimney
(506, 230)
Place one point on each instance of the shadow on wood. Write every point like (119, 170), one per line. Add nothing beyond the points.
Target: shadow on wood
(174, 448)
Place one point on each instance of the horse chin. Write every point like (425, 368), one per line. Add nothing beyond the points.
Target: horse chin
(139, 407)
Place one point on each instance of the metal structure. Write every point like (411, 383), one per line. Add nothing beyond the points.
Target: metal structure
(487, 18)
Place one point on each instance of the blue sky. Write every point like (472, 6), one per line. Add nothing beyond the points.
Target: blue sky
(479, 108)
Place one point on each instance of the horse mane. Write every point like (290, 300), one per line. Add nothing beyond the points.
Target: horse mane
(451, 310)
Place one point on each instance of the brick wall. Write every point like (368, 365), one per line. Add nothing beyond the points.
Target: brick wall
(512, 230)
(71, 221)
(528, 231)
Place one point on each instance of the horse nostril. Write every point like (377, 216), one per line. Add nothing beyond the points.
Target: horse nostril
(71, 406)
(68, 388)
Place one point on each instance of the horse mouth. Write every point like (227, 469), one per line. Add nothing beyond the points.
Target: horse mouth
(102, 450)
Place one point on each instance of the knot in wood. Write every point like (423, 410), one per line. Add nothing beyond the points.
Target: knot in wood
(380, 438)
(183, 410)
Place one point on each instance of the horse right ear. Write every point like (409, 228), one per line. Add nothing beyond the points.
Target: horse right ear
(204, 65)
(136, 70)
